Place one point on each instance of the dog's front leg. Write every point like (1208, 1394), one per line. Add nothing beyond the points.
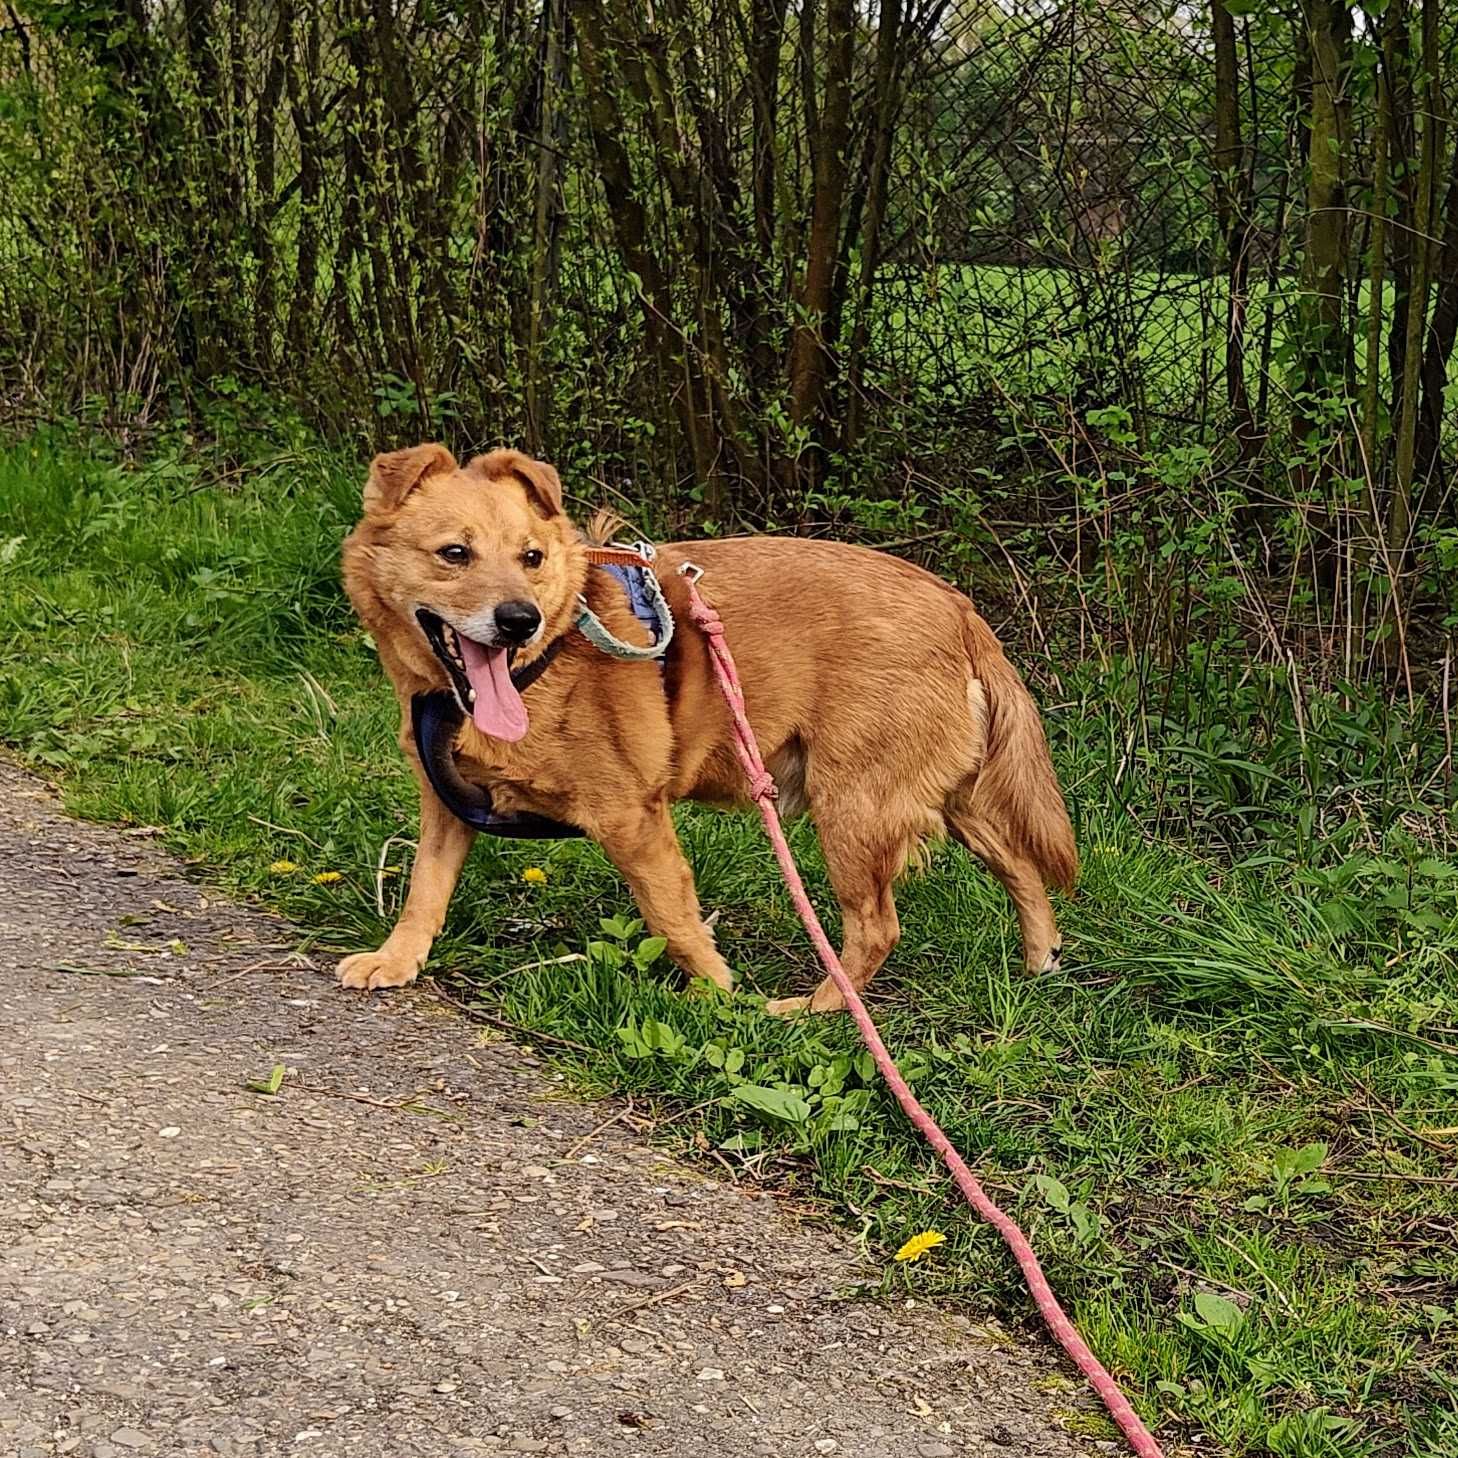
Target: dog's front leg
(644, 847)
(444, 844)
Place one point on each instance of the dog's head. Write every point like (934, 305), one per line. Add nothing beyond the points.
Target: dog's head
(458, 569)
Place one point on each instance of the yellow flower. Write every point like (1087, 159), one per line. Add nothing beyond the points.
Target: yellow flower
(327, 878)
(534, 876)
(282, 868)
(918, 1245)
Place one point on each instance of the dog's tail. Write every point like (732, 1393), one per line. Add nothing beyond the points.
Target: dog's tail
(1016, 791)
(604, 526)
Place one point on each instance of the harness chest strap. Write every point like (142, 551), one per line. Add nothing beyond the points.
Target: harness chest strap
(436, 720)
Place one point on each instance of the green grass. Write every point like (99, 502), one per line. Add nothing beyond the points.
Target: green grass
(175, 650)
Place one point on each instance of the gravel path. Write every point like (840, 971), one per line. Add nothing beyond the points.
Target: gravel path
(417, 1247)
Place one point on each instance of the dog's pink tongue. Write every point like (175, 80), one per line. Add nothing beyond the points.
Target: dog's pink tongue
(498, 710)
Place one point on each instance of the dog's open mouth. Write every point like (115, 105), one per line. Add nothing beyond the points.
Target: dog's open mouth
(480, 674)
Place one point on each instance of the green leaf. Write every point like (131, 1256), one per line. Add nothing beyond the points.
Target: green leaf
(773, 1103)
(1218, 1312)
(635, 1045)
(648, 951)
(620, 928)
(663, 1037)
(1055, 1192)
(271, 1084)
(1085, 1222)
(1308, 1158)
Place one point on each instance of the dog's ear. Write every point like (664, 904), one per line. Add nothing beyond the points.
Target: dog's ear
(541, 481)
(395, 475)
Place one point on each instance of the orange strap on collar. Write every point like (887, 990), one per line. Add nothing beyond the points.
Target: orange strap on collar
(618, 557)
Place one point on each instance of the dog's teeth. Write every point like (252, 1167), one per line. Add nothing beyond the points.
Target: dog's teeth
(471, 696)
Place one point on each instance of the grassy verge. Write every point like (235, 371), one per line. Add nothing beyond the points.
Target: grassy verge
(1229, 1126)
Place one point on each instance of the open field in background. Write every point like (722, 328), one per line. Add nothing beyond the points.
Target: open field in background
(1049, 330)
(1230, 1124)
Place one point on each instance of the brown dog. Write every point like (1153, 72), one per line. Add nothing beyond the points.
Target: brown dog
(882, 702)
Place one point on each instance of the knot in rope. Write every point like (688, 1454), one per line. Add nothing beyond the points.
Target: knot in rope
(707, 619)
(762, 786)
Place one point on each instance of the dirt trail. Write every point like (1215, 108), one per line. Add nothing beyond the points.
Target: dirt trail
(417, 1247)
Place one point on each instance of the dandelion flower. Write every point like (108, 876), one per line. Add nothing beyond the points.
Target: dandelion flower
(282, 868)
(918, 1245)
(534, 876)
(327, 878)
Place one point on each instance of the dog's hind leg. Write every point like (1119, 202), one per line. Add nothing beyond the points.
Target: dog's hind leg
(644, 846)
(863, 860)
(1023, 882)
(445, 842)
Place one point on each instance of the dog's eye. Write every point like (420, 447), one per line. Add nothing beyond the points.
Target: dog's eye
(532, 557)
(455, 554)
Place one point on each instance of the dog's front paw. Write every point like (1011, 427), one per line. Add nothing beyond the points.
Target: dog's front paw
(1051, 961)
(378, 969)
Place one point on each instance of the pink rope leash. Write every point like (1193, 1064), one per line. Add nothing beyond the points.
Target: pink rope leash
(762, 790)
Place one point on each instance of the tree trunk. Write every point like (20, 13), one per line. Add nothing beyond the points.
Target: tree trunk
(1399, 521)
(264, 165)
(1401, 173)
(553, 19)
(766, 37)
(1427, 462)
(1372, 446)
(1325, 351)
(304, 108)
(1376, 287)
(811, 350)
(890, 62)
(205, 228)
(1232, 207)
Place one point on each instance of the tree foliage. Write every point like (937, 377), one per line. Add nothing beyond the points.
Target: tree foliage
(1072, 283)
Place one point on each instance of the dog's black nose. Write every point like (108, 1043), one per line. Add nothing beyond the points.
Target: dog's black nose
(517, 621)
